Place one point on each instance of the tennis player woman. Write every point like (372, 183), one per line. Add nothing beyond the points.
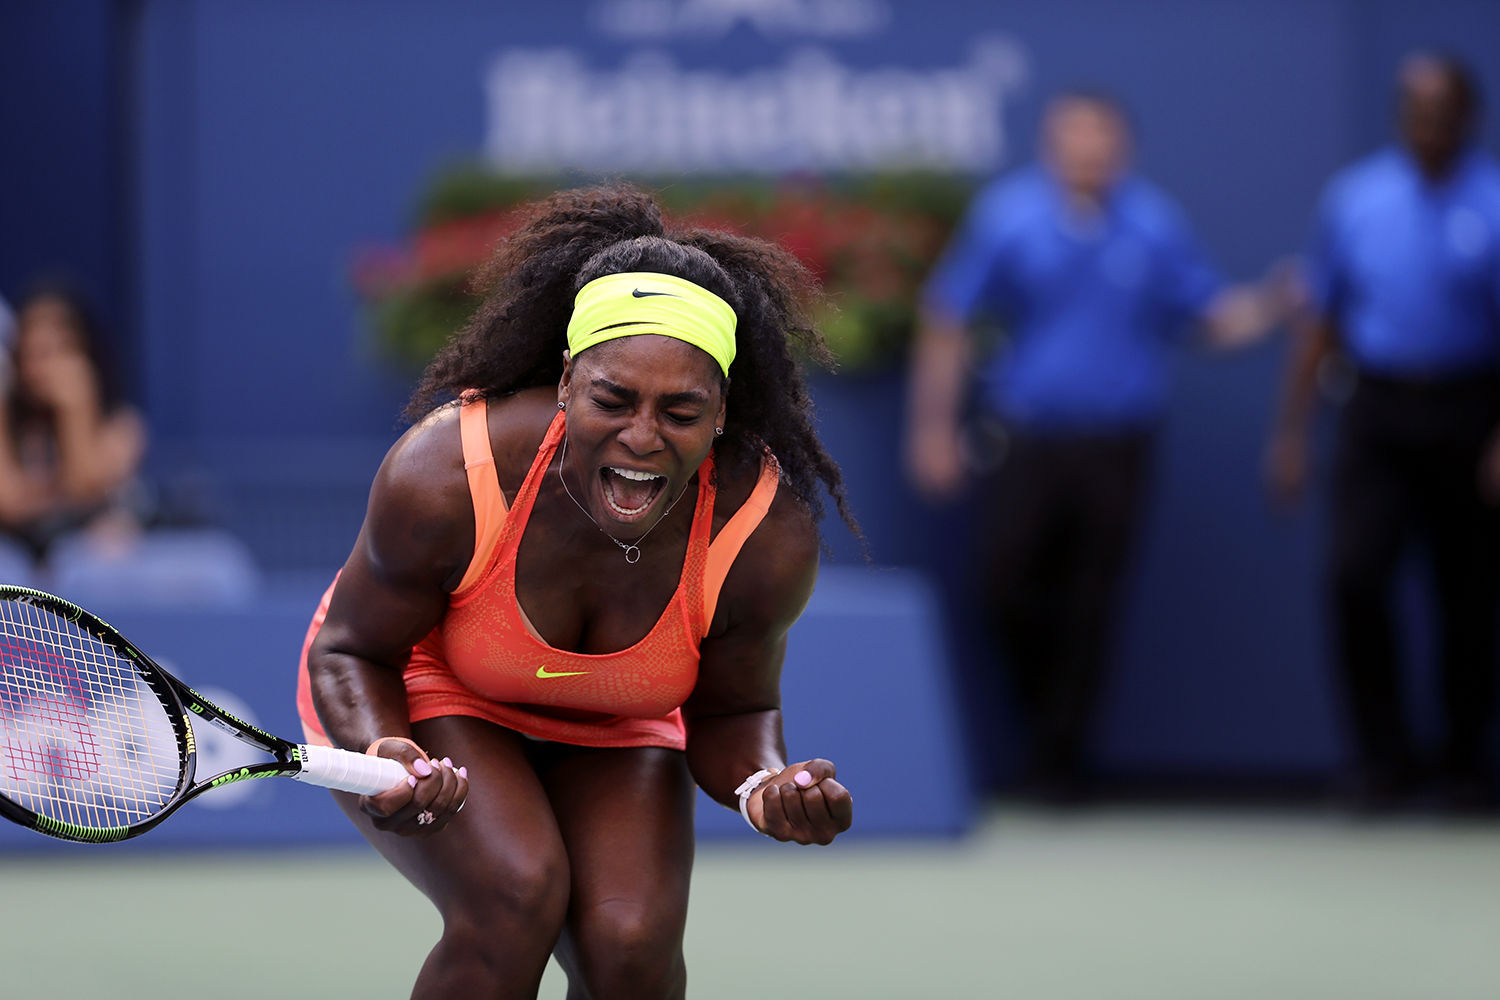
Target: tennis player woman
(570, 598)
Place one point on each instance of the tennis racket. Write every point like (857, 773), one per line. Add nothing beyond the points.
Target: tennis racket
(96, 740)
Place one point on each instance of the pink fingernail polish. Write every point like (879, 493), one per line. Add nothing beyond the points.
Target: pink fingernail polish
(447, 762)
(803, 779)
(463, 772)
(411, 779)
(422, 767)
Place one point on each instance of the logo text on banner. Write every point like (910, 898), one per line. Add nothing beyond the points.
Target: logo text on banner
(548, 110)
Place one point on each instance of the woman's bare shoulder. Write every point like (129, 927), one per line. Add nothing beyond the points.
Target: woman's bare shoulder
(433, 447)
(430, 452)
(420, 520)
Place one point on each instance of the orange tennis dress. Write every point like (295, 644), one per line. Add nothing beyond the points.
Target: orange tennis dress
(485, 660)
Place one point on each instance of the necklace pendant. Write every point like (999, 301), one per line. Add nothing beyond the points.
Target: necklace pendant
(632, 551)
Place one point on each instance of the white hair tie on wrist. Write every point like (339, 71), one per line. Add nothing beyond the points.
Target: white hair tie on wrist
(748, 787)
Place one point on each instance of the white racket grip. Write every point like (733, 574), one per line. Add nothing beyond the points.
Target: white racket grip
(349, 771)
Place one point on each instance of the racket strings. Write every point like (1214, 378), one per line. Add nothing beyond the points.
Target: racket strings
(84, 740)
(34, 669)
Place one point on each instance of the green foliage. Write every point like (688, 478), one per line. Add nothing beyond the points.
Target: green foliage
(870, 240)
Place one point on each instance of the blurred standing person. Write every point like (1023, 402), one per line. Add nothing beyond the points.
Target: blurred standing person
(70, 445)
(1404, 278)
(1094, 272)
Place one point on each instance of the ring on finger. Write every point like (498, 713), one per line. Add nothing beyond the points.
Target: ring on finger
(425, 817)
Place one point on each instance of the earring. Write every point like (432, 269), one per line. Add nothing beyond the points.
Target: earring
(562, 406)
(719, 431)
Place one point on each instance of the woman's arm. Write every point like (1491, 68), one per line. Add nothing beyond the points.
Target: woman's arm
(416, 541)
(734, 714)
(98, 450)
(97, 453)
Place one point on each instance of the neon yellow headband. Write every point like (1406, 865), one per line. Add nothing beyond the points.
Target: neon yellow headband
(637, 302)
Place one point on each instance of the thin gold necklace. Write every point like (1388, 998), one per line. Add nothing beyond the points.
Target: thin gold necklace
(632, 550)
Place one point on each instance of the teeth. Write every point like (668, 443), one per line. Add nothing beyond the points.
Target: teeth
(632, 474)
(628, 513)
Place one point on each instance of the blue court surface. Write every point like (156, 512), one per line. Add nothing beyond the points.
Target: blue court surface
(1111, 904)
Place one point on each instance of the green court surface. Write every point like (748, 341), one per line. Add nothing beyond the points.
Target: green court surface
(1114, 904)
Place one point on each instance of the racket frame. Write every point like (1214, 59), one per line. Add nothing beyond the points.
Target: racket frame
(182, 705)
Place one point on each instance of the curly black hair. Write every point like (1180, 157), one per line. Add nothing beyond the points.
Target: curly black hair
(517, 337)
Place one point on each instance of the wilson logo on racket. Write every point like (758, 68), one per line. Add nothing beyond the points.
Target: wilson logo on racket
(227, 721)
(225, 779)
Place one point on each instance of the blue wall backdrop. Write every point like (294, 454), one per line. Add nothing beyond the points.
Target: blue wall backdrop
(212, 169)
(66, 201)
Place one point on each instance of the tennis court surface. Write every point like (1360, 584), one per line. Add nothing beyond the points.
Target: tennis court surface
(1114, 904)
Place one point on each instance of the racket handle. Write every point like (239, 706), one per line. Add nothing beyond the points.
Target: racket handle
(348, 771)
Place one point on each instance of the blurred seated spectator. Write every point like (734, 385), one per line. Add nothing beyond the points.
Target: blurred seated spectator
(74, 510)
(70, 446)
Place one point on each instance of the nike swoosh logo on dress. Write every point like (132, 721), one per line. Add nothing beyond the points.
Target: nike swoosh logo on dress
(544, 673)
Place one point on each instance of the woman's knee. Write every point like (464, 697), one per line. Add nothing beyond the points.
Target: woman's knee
(523, 894)
(628, 948)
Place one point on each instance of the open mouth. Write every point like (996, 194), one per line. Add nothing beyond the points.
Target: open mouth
(629, 493)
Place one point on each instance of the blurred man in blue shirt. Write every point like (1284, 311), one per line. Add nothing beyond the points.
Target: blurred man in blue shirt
(1095, 275)
(1404, 276)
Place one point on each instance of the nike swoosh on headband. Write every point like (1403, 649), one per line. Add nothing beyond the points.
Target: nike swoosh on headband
(544, 673)
(640, 302)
